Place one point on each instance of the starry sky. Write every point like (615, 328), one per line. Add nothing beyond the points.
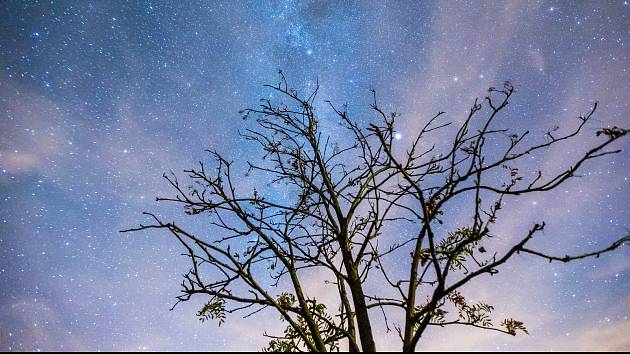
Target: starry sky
(99, 98)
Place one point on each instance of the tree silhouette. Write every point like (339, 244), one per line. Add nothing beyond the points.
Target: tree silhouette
(350, 200)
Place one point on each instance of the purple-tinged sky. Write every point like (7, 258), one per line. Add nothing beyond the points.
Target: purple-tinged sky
(98, 98)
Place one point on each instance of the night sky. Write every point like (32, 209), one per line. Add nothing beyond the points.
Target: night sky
(99, 98)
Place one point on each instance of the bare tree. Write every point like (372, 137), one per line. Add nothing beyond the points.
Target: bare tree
(350, 200)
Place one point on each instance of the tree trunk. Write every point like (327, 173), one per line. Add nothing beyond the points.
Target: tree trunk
(360, 307)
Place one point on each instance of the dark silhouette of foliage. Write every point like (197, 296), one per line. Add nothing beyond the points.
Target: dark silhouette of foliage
(349, 198)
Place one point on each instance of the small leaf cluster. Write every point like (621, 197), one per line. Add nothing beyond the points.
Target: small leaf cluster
(213, 310)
